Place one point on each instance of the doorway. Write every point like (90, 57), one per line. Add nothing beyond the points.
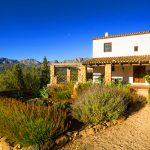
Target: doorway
(138, 74)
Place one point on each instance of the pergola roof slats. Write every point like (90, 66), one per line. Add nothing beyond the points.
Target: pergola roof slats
(117, 60)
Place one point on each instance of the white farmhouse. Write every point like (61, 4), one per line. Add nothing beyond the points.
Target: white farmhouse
(124, 57)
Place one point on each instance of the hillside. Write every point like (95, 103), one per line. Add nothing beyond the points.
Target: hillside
(7, 63)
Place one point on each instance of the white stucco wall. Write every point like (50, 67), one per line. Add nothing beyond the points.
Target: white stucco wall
(123, 46)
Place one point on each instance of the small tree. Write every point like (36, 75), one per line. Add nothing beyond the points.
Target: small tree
(45, 74)
(18, 77)
(32, 79)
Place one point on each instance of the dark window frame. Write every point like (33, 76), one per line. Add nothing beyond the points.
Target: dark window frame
(107, 48)
(113, 68)
(136, 48)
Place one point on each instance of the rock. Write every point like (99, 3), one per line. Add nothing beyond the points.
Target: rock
(4, 145)
(62, 140)
(86, 132)
(47, 146)
(17, 147)
(69, 133)
(114, 122)
(89, 126)
(120, 120)
(108, 124)
(90, 131)
(97, 127)
(83, 133)
(104, 127)
(75, 134)
(1, 148)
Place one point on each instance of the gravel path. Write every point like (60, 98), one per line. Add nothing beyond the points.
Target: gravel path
(132, 134)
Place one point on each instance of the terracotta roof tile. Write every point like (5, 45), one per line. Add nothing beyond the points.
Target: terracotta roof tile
(122, 35)
(117, 60)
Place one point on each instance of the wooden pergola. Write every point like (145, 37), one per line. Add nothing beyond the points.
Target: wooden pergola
(82, 71)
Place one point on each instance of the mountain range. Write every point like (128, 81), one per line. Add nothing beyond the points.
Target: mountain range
(6, 62)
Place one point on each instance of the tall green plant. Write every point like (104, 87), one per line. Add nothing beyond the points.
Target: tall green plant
(30, 125)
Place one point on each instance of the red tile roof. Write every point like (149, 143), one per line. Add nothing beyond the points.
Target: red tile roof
(118, 60)
(122, 35)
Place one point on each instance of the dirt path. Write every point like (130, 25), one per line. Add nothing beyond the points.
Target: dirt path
(133, 134)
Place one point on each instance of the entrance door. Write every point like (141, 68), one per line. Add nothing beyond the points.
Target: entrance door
(138, 74)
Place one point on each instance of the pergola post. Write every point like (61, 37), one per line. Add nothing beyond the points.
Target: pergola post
(68, 75)
(52, 74)
(82, 73)
(108, 73)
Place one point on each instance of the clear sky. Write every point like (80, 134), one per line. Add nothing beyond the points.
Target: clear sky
(63, 29)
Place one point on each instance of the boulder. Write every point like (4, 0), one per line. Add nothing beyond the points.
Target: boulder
(97, 127)
(17, 147)
(62, 140)
(4, 145)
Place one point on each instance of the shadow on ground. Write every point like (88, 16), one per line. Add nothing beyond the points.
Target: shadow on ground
(134, 107)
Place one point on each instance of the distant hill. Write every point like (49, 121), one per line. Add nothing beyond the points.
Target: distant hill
(29, 62)
(7, 63)
(80, 59)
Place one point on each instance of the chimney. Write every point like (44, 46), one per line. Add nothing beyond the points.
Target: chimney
(106, 34)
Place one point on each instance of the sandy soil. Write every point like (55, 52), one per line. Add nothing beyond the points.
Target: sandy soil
(132, 134)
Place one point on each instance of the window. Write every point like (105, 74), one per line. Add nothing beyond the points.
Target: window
(107, 47)
(135, 48)
(113, 68)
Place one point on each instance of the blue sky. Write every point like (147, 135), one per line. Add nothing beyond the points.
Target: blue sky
(63, 29)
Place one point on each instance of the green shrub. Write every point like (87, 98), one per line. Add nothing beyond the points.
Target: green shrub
(30, 125)
(82, 86)
(62, 105)
(63, 95)
(85, 84)
(101, 103)
(61, 91)
(44, 92)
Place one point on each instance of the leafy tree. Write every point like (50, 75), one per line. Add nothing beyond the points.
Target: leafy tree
(45, 73)
(32, 79)
(18, 77)
(7, 80)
